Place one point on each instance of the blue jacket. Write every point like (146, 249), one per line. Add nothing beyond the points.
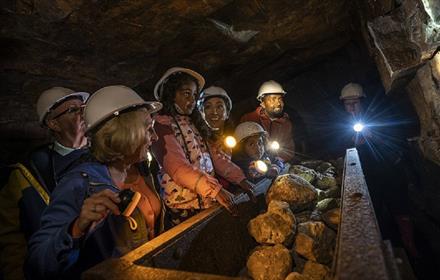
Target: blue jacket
(53, 253)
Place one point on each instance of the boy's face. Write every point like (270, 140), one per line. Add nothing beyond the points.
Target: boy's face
(254, 146)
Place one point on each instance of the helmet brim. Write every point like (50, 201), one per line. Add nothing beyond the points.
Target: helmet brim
(171, 71)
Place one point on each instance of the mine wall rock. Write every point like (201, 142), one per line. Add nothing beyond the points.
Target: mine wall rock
(405, 39)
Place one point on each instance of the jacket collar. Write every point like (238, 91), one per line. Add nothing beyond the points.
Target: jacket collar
(263, 116)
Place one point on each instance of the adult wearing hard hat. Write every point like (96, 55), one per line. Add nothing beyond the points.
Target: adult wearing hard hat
(351, 95)
(96, 212)
(216, 105)
(271, 116)
(187, 167)
(379, 141)
(30, 184)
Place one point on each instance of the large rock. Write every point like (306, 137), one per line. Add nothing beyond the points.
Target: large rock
(327, 204)
(307, 174)
(269, 262)
(332, 218)
(424, 92)
(277, 226)
(326, 181)
(334, 192)
(405, 39)
(311, 271)
(294, 190)
(315, 241)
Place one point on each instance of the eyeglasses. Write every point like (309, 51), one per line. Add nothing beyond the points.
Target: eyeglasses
(70, 110)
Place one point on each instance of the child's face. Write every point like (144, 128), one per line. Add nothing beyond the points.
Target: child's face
(254, 146)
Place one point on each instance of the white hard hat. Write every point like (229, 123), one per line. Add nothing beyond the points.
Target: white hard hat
(111, 101)
(247, 129)
(54, 96)
(270, 87)
(215, 92)
(169, 72)
(351, 91)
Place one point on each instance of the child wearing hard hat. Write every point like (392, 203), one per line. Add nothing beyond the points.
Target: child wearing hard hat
(187, 166)
(250, 153)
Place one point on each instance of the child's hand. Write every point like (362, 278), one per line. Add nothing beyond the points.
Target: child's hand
(272, 173)
(248, 188)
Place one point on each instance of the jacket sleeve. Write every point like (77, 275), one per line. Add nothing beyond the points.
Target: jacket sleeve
(51, 249)
(288, 150)
(12, 239)
(171, 157)
(225, 167)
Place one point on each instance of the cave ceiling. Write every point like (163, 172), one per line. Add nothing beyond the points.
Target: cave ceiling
(89, 44)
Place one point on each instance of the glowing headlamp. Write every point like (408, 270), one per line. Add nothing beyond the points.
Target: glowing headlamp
(358, 127)
(230, 142)
(261, 166)
(274, 146)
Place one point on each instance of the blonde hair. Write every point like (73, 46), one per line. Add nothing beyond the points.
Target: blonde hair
(120, 136)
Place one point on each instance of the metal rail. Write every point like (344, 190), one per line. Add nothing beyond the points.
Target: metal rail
(360, 252)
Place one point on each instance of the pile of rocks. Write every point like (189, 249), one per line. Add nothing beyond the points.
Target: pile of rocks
(297, 234)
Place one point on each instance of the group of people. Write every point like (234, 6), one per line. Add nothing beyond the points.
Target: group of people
(121, 170)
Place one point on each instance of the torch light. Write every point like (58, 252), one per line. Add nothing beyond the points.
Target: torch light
(230, 142)
(261, 166)
(274, 146)
(358, 127)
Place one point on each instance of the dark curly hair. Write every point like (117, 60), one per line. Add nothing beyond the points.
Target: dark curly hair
(168, 94)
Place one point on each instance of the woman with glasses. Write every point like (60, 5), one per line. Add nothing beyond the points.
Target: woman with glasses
(104, 206)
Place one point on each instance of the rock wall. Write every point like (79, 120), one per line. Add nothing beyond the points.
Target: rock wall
(424, 91)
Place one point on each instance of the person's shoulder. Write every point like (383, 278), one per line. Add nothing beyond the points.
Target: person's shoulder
(89, 170)
(251, 116)
(163, 119)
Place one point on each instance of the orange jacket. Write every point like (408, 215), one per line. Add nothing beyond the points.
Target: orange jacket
(280, 130)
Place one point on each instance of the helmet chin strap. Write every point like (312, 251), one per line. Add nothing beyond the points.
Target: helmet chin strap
(179, 110)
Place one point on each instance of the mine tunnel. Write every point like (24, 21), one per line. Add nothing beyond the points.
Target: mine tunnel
(389, 215)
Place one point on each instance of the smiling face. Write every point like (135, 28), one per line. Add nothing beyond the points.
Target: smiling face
(254, 146)
(273, 104)
(215, 112)
(185, 98)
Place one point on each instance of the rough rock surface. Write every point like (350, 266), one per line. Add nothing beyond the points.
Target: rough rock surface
(294, 190)
(269, 262)
(424, 91)
(306, 173)
(326, 204)
(303, 216)
(330, 193)
(276, 226)
(311, 271)
(315, 241)
(405, 39)
(332, 218)
(326, 181)
(89, 44)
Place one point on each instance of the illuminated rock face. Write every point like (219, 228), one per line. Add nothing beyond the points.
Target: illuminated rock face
(424, 91)
(315, 242)
(405, 39)
(276, 226)
(294, 190)
(269, 262)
